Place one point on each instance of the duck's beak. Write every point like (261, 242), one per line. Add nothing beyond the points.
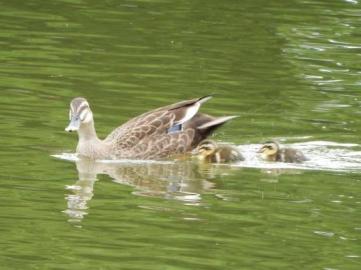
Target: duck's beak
(74, 124)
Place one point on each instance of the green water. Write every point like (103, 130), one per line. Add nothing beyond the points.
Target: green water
(290, 69)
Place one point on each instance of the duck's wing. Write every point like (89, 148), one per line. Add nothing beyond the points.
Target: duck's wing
(174, 143)
(158, 147)
(159, 122)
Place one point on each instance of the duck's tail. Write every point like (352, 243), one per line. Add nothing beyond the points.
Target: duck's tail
(205, 125)
(216, 122)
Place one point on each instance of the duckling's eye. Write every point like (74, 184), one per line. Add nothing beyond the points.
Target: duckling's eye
(206, 148)
(269, 147)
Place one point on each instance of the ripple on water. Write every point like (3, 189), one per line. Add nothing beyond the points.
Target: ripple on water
(321, 155)
(322, 233)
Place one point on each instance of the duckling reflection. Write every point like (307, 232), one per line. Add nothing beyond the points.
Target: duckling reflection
(271, 151)
(213, 152)
(170, 180)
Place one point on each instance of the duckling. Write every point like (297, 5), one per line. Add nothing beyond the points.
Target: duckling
(210, 151)
(271, 151)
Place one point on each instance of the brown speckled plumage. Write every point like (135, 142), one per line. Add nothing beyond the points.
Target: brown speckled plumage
(147, 136)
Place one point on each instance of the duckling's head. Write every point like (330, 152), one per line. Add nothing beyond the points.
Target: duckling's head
(206, 148)
(269, 149)
(79, 114)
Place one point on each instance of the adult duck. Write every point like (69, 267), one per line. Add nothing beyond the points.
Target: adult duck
(161, 133)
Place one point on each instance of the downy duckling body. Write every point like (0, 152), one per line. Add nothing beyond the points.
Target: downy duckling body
(161, 133)
(271, 151)
(210, 151)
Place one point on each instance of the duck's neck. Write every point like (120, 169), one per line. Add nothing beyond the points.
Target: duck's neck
(87, 132)
(89, 145)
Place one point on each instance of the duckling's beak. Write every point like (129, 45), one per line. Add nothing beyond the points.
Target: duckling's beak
(74, 124)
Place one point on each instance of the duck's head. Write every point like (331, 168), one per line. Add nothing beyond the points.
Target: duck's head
(269, 149)
(79, 114)
(205, 149)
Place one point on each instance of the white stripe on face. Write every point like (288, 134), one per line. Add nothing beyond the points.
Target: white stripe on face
(83, 114)
(81, 106)
(88, 116)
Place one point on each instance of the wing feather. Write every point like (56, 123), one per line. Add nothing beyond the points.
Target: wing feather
(160, 146)
(151, 125)
(147, 136)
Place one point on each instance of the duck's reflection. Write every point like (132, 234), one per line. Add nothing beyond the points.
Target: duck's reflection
(180, 180)
(82, 190)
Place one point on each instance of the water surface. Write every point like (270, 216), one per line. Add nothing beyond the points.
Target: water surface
(290, 71)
